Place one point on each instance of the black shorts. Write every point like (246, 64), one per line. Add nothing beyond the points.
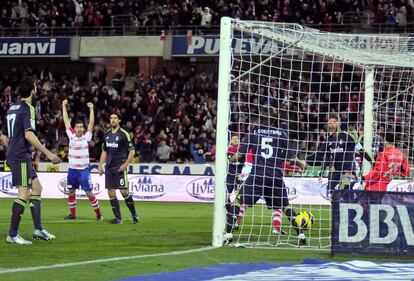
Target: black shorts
(334, 179)
(231, 182)
(273, 191)
(231, 178)
(23, 173)
(116, 179)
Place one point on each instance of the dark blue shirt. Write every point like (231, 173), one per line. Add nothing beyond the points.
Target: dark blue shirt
(117, 145)
(269, 147)
(339, 152)
(19, 118)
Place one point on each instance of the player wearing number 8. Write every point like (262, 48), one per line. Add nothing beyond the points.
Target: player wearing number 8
(117, 152)
(390, 162)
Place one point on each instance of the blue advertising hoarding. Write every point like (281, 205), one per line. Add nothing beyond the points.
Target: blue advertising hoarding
(372, 222)
(34, 47)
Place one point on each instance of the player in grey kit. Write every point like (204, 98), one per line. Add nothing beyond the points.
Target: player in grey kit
(117, 152)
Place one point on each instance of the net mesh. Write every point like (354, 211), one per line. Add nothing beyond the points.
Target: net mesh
(295, 79)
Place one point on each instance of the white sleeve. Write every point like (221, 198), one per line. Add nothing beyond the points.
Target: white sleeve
(88, 136)
(70, 133)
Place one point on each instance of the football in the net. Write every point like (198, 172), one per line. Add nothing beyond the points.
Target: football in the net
(304, 220)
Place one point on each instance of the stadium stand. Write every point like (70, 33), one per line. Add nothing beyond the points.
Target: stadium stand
(67, 17)
(178, 107)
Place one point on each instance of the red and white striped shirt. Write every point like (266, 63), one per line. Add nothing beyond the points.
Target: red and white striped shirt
(78, 149)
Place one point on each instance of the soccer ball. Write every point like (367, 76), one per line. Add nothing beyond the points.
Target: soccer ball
(304, 220)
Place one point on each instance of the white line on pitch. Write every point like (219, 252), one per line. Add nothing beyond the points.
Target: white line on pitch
(81, 263)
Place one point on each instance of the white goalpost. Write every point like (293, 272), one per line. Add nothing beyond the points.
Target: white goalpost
(296, 79)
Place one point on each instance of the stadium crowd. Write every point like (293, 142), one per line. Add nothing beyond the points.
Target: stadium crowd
(170, 117)
(95, 13)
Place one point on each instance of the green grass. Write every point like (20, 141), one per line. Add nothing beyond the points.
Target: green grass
(165, 227)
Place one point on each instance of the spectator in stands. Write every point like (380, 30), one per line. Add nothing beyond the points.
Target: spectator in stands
(198, 153)
(163, 152)
(80, 13)
(205, 16)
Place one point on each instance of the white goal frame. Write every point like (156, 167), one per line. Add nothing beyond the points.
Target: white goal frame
(334, 45)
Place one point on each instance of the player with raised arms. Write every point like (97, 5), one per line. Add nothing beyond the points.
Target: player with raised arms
(78, 173)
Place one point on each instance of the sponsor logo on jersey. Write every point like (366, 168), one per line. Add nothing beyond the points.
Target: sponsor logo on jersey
(202, 188)
(145, 187)
(6, 185)
(64, 188)
(112, 144)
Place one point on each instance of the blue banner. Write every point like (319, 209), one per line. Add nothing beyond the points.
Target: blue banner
(34, 47)
(309, 269)
(210, 45)
(372, 222)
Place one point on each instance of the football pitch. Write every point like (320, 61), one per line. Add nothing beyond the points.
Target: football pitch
(171, 236)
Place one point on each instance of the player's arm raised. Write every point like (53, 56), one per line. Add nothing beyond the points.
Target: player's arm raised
(91, 117)
(65, 114)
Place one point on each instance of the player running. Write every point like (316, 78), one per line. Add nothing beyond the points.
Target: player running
(117, 151)
(78, 173)
(390, 162)
(20, 129)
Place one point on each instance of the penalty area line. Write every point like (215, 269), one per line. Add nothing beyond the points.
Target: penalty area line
(97, 261)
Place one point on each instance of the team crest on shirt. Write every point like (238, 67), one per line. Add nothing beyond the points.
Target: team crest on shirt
(107, 138)
(341, 142)
(117, 138)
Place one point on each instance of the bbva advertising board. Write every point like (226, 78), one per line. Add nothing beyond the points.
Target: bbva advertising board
(373, 222)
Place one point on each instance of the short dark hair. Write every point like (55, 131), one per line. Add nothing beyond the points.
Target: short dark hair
(26, 87)
(78, 121)
(390, 137)
(117, 114)
(333, 116)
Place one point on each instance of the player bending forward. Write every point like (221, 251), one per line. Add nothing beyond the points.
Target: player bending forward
(390, 162)
(265, 149)
(78, 174)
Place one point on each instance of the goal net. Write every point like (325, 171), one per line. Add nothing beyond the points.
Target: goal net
(303, 82)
